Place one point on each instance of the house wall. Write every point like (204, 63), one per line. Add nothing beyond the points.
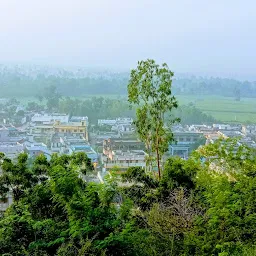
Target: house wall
(4, 204)
(123, 164)
(4, 135)
(49, 118)
(11, 151)
(79, 129)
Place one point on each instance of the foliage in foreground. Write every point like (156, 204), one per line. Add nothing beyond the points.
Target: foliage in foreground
(196, 208)
(55, 211)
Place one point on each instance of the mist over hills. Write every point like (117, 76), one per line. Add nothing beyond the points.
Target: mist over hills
(29, 80)
(73, 71)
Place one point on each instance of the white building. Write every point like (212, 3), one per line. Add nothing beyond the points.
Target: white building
(124, 120)
(110, 122)
(225, 127)
(79, 119)
(222, 126)
(249, 130)
(11, 150)
(117, 121)
(125, 128)
(124, 159)
(36, 149)
(198, 127)
(49, 118)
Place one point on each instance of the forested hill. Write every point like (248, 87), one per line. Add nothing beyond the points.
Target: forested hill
(18, 82)
(12, 85)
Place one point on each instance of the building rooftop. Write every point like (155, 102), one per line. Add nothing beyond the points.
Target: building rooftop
(84, 148)
(232, 133)
(190, 133)
(129, 153)
(49, 115)
(43, 126)
(78, 118)
(68, 124)
(11, 148)
(41, 147)
(70, 140)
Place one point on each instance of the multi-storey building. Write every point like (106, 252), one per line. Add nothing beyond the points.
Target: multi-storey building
(117, 121)
(124, 159)
(36, 149)
(71, 128)
(123, 154)
(49, 118)
(122, 144)
(10, 134)
(184, 141)
(61, 129)
(71, 144)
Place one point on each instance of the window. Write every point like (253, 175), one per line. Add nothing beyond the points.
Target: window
(81, 131)
(136, 161)
(75, 130)
(62, 130)
(127, 161)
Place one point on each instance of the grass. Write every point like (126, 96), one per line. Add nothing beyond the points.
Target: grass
(225, 109)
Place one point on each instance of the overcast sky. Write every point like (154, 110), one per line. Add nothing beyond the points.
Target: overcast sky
(214, 36)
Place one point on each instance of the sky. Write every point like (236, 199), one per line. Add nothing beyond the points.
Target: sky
(191, 36)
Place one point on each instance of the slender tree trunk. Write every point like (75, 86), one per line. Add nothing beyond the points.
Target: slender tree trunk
(158, 162)
(157, 155)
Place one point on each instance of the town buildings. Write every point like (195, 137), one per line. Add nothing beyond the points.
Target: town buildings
(115, 147)
(11, 149)
(123, 154)
(185, 140)
(71, 144)
(45, 134)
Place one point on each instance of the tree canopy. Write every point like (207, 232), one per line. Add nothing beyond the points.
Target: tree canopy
(150, 89)
(198, 207)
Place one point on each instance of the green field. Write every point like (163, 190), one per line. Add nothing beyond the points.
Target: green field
(223, 108)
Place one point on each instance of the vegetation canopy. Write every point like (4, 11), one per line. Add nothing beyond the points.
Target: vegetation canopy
(150, 89)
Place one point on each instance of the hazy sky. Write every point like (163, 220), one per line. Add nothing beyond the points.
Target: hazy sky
(216, 36)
